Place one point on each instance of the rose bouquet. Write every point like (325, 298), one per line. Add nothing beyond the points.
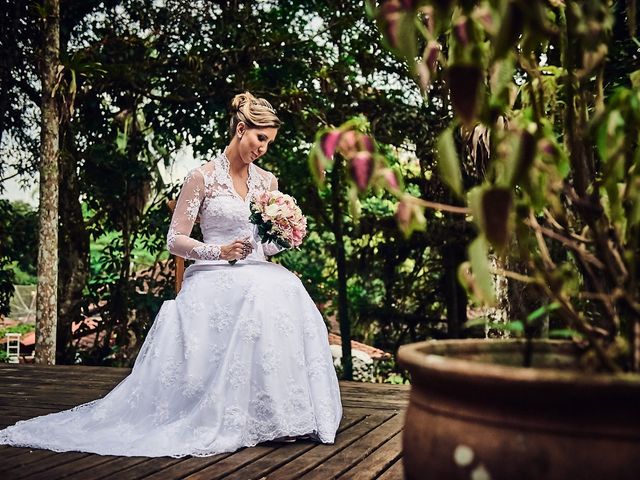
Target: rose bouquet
(278, 219)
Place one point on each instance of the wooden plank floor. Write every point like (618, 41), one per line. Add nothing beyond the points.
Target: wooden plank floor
(368, 444)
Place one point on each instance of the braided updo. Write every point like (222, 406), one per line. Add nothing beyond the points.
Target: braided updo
(254, 112)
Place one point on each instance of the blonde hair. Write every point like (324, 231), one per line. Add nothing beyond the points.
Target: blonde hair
(254, 112)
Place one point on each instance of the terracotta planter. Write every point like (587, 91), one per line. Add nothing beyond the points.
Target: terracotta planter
(475, 414)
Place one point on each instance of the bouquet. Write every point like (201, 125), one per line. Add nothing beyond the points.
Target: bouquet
(278, 219)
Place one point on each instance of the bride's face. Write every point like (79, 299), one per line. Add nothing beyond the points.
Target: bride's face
(254, 142)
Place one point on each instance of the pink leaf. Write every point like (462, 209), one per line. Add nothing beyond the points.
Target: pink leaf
(347, 143)
(461, 31)
(424, 76)
(390, 178)
(362, 169)
(391, 15)
(431, 55)
(409, 216)
(408, 4)
(427, 17)
(403, 214)
(366, 143)
(329, 142)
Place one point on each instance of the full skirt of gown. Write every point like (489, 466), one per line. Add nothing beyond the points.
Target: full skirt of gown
(240, 357)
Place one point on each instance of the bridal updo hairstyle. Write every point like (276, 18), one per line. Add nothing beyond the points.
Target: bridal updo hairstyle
(254, 112)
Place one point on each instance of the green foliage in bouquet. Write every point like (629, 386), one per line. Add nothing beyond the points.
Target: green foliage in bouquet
(265, 229)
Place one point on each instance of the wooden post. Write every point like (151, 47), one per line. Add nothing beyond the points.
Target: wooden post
(341, 263)
(179, 262)
(47, 293)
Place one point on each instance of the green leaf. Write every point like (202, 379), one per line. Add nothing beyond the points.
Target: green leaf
(502, 80)
(516, 326)
(476, 322)
(633, 184)
(371, 8)
(478, 256)
(542, 311)
(609, 140)
(635, 79)
(121, 141)
(564, 333)
(526, 154)
(510, 29)
(474, 199)
(73, 83)
(355, 207)
(448, 162)
(72, 92)
(563, 165)
(317, 165)
(407, 39)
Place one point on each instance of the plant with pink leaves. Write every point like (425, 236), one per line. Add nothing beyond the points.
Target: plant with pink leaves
(368, 169)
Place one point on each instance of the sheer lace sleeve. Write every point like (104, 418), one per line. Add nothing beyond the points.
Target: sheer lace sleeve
(179, 241)
(269, 248)
(273, 184)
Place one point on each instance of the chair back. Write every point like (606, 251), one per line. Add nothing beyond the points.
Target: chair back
(13, 347)
(178, 261)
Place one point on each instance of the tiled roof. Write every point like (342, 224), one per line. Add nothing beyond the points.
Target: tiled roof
(373, 352)
(26, 340)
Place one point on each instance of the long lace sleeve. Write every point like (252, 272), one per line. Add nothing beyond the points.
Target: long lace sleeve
(269, 248)
(179, 241)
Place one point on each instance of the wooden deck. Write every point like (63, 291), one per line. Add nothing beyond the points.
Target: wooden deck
(368, 444)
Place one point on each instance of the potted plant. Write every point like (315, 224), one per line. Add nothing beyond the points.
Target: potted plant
(559, 207)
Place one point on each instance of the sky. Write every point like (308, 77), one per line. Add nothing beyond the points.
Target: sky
(177, 171)
(15, 188)
(15, 191)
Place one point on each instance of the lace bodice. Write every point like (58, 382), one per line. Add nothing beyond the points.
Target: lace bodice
(208, 193)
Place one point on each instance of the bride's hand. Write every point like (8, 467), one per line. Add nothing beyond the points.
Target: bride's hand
(238, 250)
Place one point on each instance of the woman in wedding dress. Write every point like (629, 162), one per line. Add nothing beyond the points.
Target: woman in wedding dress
(241, 355)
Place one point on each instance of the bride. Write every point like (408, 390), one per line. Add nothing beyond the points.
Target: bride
(241, 355)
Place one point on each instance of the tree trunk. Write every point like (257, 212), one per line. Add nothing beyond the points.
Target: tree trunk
(47, 296)
(73, 248)
(499, 314)
(455, 296)
(341, 263)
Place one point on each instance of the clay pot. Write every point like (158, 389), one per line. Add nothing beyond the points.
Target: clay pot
(474, 413)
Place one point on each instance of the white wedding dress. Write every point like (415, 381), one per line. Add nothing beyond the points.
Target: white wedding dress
(240, 357)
